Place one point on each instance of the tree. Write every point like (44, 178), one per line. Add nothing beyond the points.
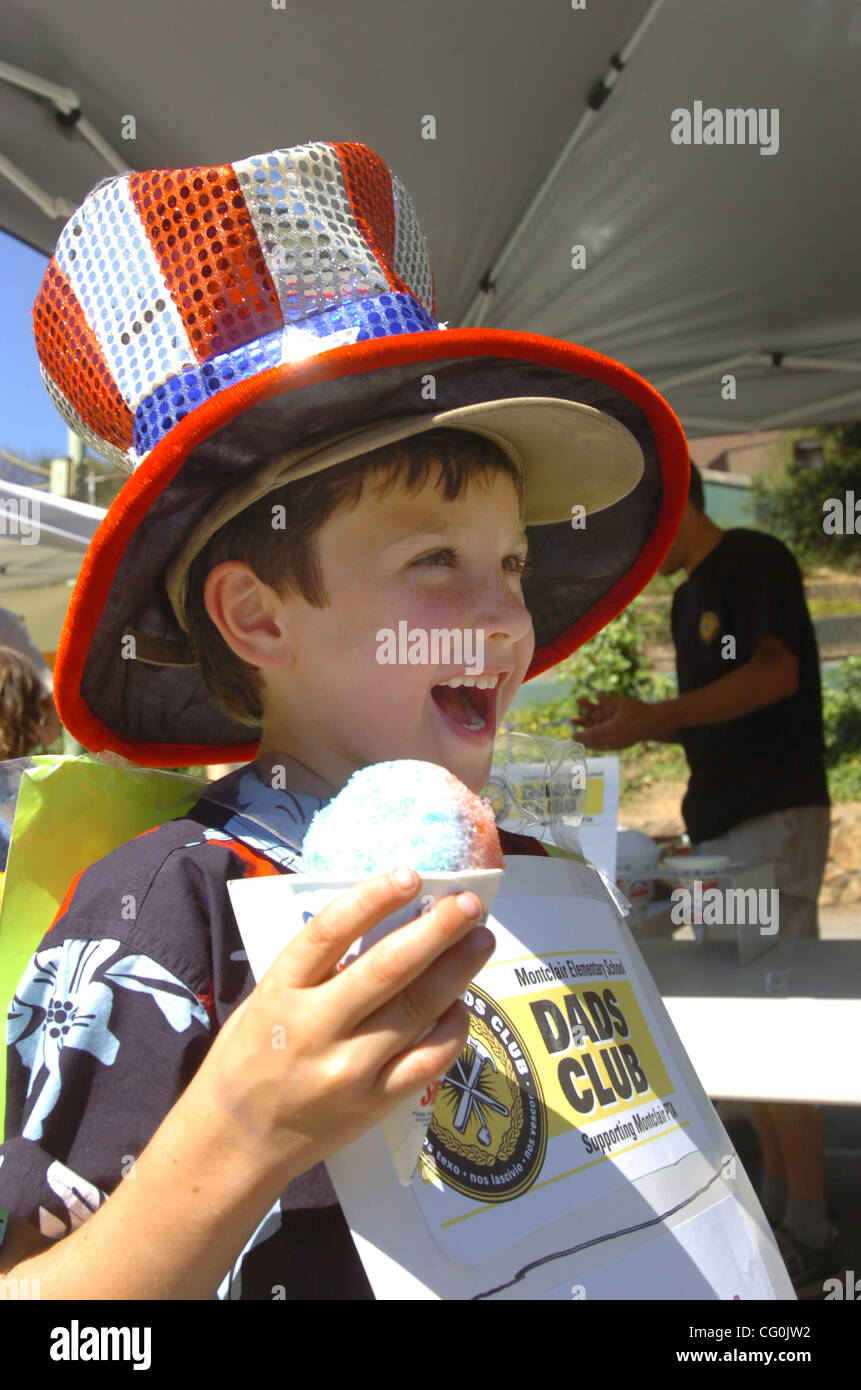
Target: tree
(795, 503)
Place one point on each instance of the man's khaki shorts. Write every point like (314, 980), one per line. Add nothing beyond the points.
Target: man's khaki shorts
(796, 843)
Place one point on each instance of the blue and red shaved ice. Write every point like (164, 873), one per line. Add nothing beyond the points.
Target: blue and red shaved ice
(404, 812)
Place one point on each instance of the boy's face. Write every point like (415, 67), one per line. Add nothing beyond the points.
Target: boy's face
(395, 569)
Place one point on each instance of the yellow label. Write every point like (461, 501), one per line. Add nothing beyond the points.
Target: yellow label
(592, 1050)
(594, 796)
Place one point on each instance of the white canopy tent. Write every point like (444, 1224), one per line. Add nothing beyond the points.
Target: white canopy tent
(42, 542)
(522, 132)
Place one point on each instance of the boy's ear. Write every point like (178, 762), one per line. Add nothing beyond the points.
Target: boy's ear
(248, 614)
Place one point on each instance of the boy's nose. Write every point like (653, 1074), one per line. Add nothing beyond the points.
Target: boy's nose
(502, 613)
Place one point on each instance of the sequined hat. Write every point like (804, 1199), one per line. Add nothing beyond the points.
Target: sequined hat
(218, 331)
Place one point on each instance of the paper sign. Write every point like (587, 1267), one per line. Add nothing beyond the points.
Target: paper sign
(720, 1240)
(571, 1131)
(599, 827)
(566, 1091)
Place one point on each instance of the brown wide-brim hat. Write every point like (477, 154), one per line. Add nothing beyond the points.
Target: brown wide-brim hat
(221, 331)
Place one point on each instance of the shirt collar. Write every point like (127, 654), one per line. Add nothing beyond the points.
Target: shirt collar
(262, 809)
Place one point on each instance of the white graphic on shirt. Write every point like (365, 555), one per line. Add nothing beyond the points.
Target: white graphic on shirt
(59, 1003)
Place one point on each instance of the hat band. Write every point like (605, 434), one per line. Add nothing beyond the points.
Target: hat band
(383, 316)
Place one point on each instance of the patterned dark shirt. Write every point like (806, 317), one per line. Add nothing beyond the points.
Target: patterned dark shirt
(117, 1009)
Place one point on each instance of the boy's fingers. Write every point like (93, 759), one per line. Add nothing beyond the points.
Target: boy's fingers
(407, 980)
(310, 957)
(401, 1025)
(428, 1060)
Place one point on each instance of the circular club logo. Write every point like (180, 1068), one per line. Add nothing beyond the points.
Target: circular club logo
(488, 1135)
(709, 627)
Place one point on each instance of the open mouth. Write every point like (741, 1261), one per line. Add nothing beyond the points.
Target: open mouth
(470, 708)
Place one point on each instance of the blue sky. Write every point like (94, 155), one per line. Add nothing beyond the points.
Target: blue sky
(28, 422)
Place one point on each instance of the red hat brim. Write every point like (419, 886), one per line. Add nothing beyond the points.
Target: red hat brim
(101, 698)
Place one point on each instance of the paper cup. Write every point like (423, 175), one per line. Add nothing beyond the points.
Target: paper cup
(405, 1127)
(691, 870)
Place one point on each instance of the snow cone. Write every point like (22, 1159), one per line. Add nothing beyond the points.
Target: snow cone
(389, 814)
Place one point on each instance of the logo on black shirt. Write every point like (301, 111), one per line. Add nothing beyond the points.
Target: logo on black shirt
(709, 627)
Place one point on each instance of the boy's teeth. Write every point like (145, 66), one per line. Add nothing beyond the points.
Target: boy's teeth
(481, 682)
(461, 705)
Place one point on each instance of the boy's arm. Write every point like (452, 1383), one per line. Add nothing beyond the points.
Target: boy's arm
(170, 1232)
(254, 1116)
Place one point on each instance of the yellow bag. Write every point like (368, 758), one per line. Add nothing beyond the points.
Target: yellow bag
(68, 812)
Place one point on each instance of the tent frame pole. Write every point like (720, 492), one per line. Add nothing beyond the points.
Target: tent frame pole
(67, 109)
(601, 90)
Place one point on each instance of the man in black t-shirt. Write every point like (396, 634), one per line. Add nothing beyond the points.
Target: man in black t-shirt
(749, 717)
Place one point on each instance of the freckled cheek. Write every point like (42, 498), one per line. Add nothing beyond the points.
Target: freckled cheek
(447, 608)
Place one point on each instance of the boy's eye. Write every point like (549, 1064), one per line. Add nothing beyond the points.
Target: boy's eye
(517, 564)
(446, 555)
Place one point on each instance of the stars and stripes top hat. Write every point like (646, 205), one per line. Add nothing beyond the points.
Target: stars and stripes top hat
(216, 331)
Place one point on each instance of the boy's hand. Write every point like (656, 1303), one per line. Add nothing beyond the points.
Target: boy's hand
(312, 1059)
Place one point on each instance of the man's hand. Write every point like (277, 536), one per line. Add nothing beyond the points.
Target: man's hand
(617, 721)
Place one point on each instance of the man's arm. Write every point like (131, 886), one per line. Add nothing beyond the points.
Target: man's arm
(770, 675)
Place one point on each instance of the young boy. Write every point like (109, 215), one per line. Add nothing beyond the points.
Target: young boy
(317, 463)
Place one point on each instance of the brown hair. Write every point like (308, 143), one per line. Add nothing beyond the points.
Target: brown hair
(286, 558)
(22, 706)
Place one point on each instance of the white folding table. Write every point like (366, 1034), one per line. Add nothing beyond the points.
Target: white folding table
(802, 1043)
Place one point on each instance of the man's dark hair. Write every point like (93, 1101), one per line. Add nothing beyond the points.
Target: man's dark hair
(696, 495)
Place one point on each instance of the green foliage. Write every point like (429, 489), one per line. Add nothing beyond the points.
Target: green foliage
(844, 781)
(834, 607)
(614, 661)
(646, 763)
(789, 504)
(548, 719)
(841, 713)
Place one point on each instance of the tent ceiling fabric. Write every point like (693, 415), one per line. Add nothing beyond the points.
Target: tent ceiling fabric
(695, 255)
(42, 537)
